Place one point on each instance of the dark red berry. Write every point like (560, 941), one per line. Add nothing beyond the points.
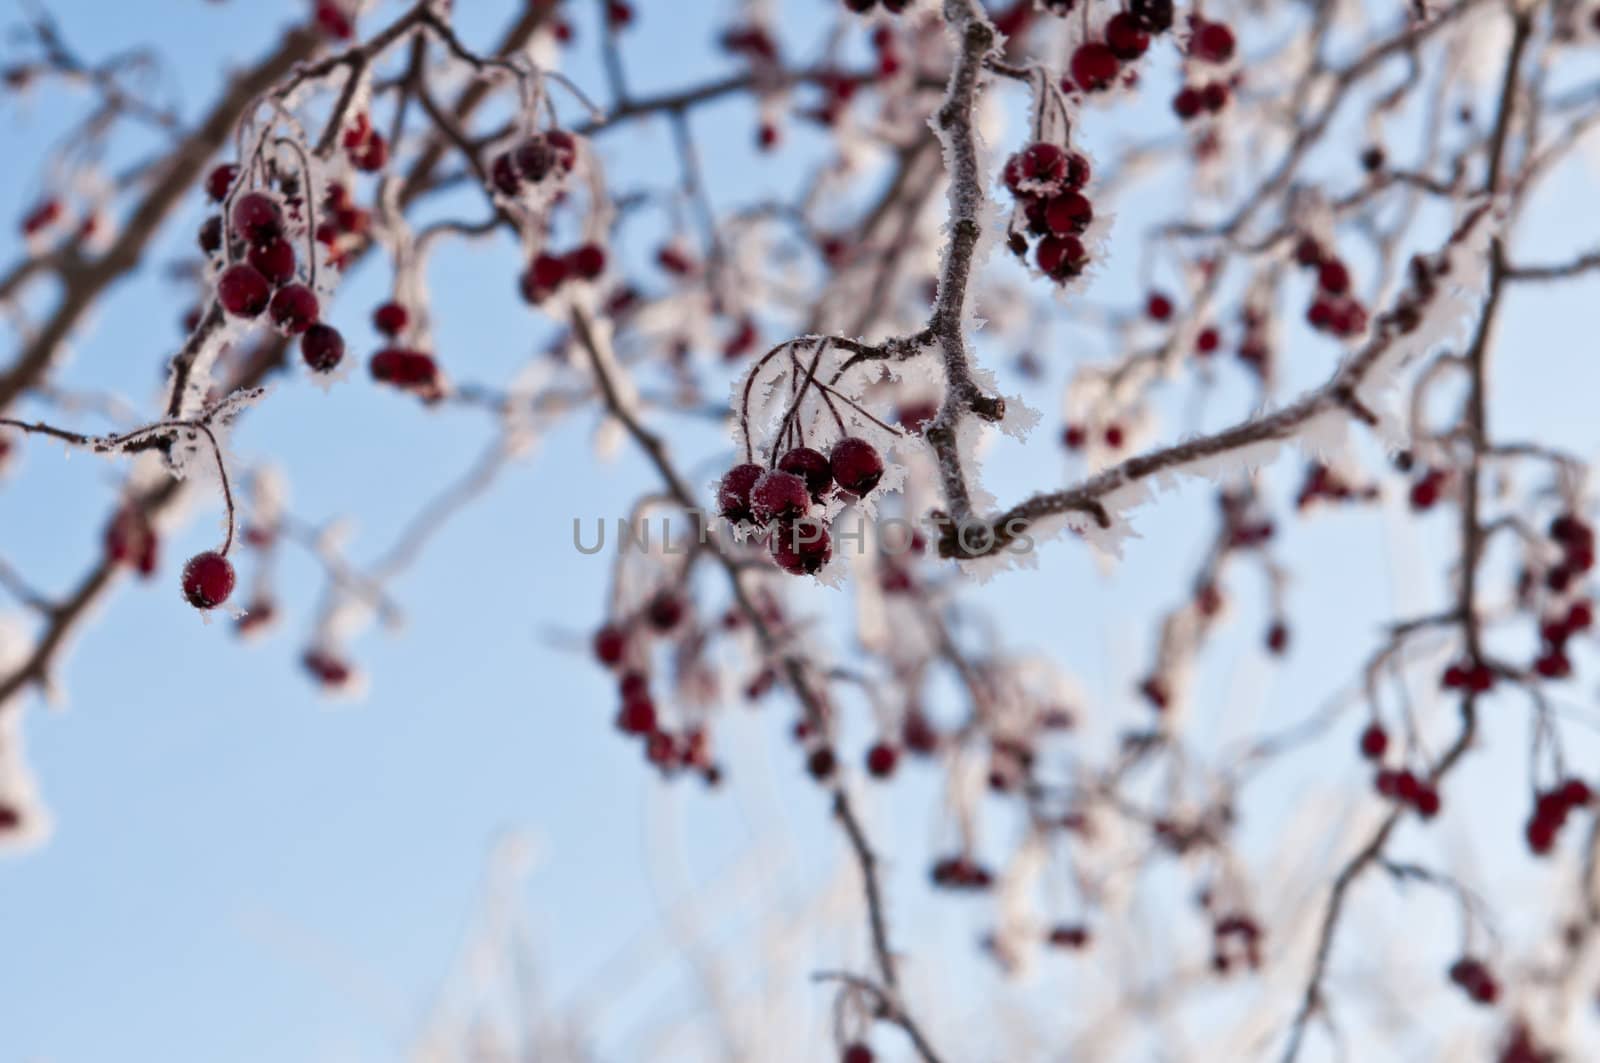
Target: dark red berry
(1158, 307)
(256, 218)
(207, 580)
(294, 309)
(1062, 257)
(1374, 741)
(391, 319)
(857, 1052)
(243, 291)
(1094, 66)
(210, 238)
(1126, 37)
(1188, 102)
(779, 496)
(856, 464)
(1212, 42)
(610, 642)
(810, 465)
(1068, 213)
(587, 262)
(664, 611)
(801, 547)
(322, 347)
(220, 180)
(733, 493)
(881, 760)
(275, 260)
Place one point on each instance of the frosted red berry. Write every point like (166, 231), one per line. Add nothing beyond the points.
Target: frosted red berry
(801, 548)
(257, 218)
(779, 496)
(275, 260)
(243, 291)
(857, 465)
(733, 493)
(1126, 37)
(220, 180)
(1094, 66)
(294, 309)
(810, 465)
(322, 347)
(207, 580)
(1068, 213)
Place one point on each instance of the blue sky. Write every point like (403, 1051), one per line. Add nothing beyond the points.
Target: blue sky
(241, 871)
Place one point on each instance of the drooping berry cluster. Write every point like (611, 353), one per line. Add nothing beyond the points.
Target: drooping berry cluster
(623, 646)
(1048, 182)
(343, 226)
(1550, 811)
(782, 500)
(1555, 632)
(1333, 309)
(547, 156)
(548, 271)
(1406, 787)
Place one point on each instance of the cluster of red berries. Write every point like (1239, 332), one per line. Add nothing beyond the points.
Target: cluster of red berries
(344, 225)
(548, 271)
(1473, 676)
(1550, 810)
(1555, 633)
(131, 540)
(961, 873)
(1333, 309)
(1474, 978)
(781, 499)
(1212, 98)
(861, 7)
(1576, 539)
(1405, 786)
(1235, 939)
(1323, 482)
(266, 279)
(207, 579)
(538, 157)
(614, 645)
(1047, 181)
(366, 148)
(399, 365)
(1095, 64)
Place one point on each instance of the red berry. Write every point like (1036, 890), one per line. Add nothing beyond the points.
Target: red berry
(275, 260)
(1278, 637)
(1333, 277)
(1062, 257)
(1188, 102)
(1212, 42)
(733, 493)
(220, 180)
(638, 716)
(322, 347)
(1374, 741)
(256, 218)
(207, 580)
(1575, 792)
(856, 464)
(821, 762)
(810, 465)
(1094, 66)
(544, 275)
(802, 547)
(210, 238)
(243, 291)
(391, 319)
(1214, 96)
(610, 642)
(1069, 936)
(403, 368)
(587, 262)
(294, 309)
(504, 174)
(333, 21)
(1158, 307)
(1208, 341)
(665, 611)
(881, 760)
(857, 1053)
(779, 496)
(1113, 436)
(619, 13)
(1068, 213)
(1126, 38)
